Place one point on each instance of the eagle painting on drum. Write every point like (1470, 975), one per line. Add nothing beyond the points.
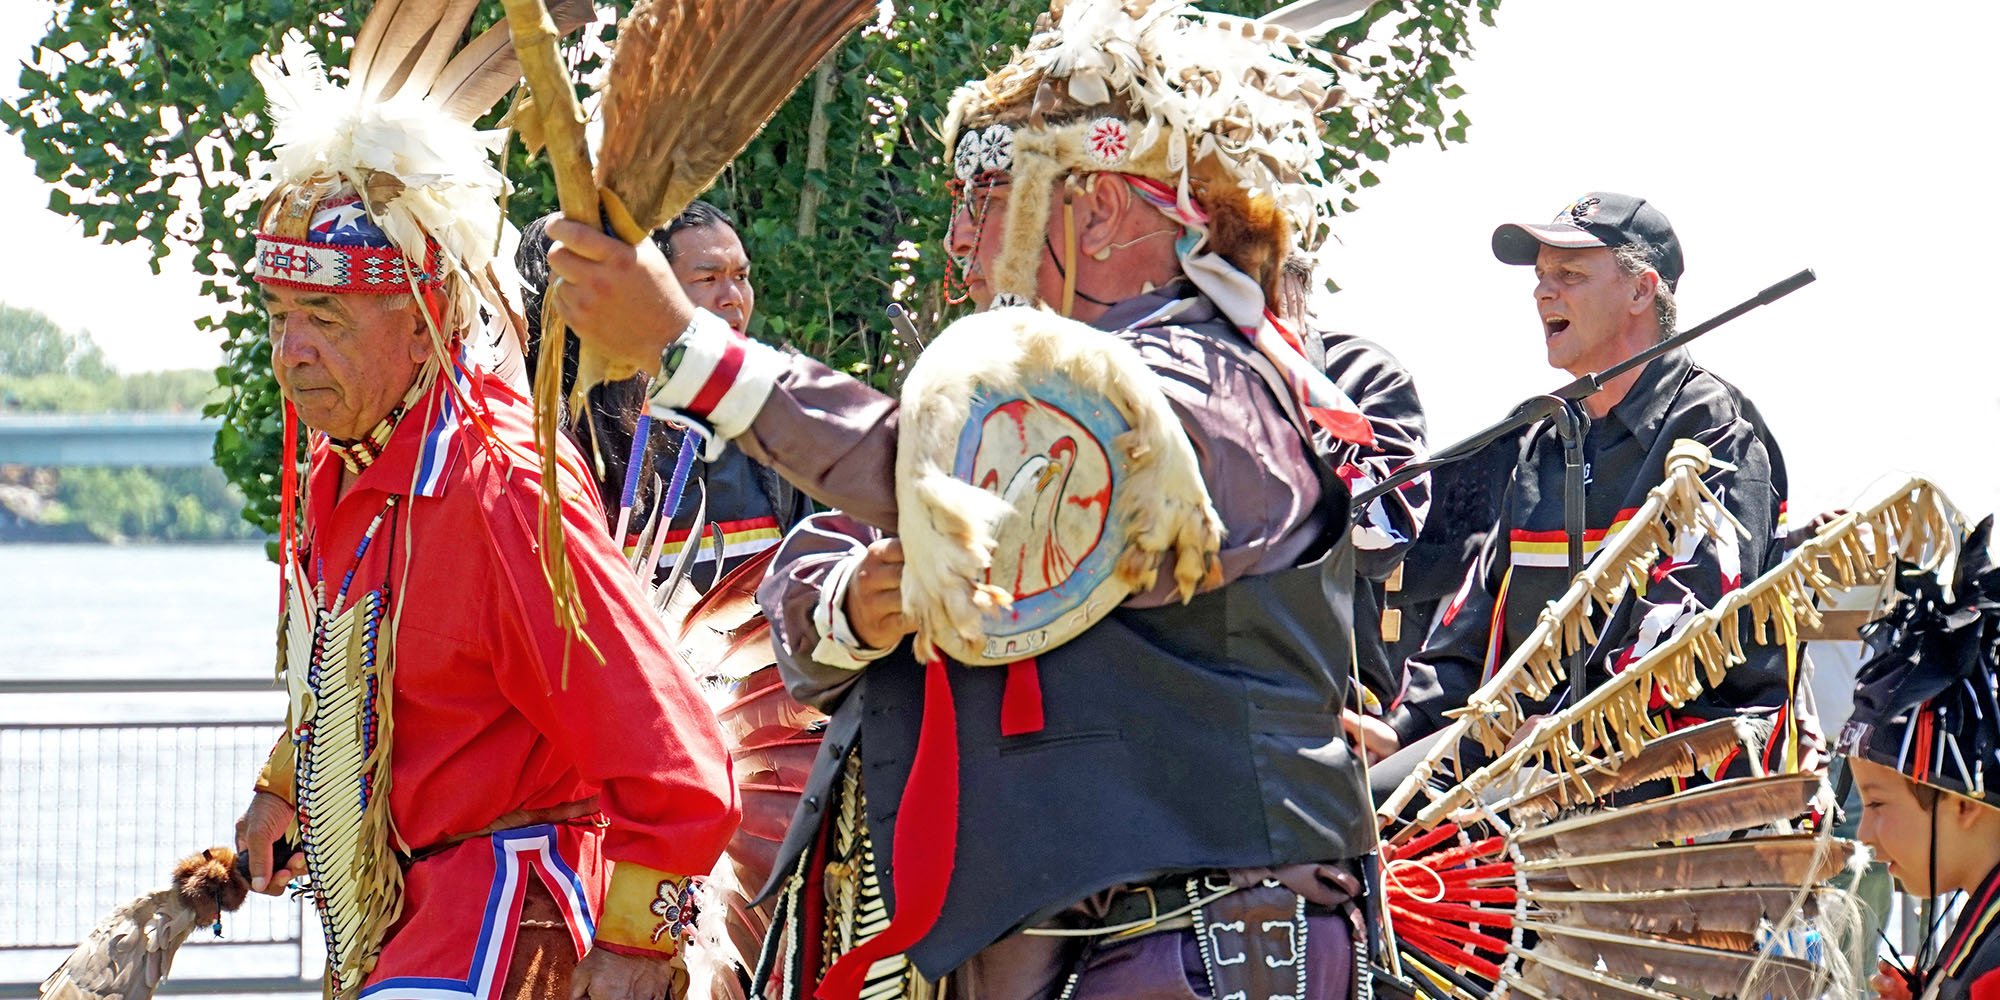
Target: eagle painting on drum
(1045, 451)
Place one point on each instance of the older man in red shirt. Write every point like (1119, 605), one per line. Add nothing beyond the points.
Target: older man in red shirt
(493, 792)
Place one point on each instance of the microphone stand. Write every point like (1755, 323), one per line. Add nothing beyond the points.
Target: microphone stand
(1571, 423)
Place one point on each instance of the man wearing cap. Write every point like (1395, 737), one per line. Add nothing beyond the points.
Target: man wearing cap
(483, 779)
(1606, 269)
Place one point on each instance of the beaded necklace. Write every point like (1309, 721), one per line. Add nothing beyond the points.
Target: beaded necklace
(359, 454)
(319, 564)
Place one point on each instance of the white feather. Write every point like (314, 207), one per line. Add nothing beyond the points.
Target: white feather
(324, 130)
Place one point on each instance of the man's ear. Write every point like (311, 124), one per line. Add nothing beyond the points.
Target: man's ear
(1098, 203)
(1966, 813)
(1644, 291)
(419, 342)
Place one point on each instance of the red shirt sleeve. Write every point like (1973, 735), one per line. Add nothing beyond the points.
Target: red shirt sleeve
(635, 724)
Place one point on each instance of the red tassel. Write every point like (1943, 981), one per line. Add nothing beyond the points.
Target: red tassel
(926, 842)
(1021, 699)
(288, 502)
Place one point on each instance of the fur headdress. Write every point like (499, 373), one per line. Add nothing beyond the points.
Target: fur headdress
(1214, 120)
(1223, 110)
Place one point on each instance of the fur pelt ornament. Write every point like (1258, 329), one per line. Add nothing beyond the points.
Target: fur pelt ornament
(1041, 479)
(127, 954)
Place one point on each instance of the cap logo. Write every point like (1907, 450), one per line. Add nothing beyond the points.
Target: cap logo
(1579, 212)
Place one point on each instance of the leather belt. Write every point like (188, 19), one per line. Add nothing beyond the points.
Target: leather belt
(1140, 903)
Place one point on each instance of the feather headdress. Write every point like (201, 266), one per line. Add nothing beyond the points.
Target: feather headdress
(398, 138)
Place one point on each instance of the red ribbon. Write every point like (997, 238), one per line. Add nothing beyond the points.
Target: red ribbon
(926, 842)
(1021, 699)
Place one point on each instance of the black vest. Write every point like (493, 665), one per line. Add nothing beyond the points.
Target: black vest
(1204, 735)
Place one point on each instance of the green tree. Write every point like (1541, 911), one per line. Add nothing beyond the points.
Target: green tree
(32, 344)
(144, 118)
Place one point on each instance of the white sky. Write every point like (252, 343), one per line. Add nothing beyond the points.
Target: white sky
(1776, 134)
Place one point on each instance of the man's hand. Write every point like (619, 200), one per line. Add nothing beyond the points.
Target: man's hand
(875, 596)
(1888, 983)
(607, 975)
(622, 300)
(1371, 734)
(1797, 536)
(262, 825)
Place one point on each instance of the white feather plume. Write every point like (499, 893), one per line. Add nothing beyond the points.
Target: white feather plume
(447, 185)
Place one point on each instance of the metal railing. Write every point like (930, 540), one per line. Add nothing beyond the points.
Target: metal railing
(99, 812)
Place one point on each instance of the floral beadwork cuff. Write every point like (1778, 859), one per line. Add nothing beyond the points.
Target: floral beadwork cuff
(647, 910)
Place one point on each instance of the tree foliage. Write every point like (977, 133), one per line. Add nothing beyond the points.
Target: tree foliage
(31, 345)
(145, 120)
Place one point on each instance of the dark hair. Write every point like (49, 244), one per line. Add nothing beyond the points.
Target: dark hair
(532, 260)
(614, 407)
(697, 215)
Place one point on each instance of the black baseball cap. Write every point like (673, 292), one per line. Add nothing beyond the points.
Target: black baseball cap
(1598, 219)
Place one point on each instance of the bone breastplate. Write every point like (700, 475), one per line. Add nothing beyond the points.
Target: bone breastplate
(337, 671)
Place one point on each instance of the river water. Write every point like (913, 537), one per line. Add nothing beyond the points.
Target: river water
(102, 791)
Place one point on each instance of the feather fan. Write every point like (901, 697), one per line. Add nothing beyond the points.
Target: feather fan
(693, 82)
(1740, 804)
(127, 954)
(1687, 967)
(1789, 860)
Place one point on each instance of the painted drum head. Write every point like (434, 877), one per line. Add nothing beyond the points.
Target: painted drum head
(1046, 449)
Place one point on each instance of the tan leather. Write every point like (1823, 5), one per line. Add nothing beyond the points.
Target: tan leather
(279, 770)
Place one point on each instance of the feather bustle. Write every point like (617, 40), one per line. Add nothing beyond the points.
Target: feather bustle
(1710, 970)
(1675, 914)
(1680, 754)
(1738, 804)
(1789, 860)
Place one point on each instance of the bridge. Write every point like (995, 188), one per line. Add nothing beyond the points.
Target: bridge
(155, 440)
